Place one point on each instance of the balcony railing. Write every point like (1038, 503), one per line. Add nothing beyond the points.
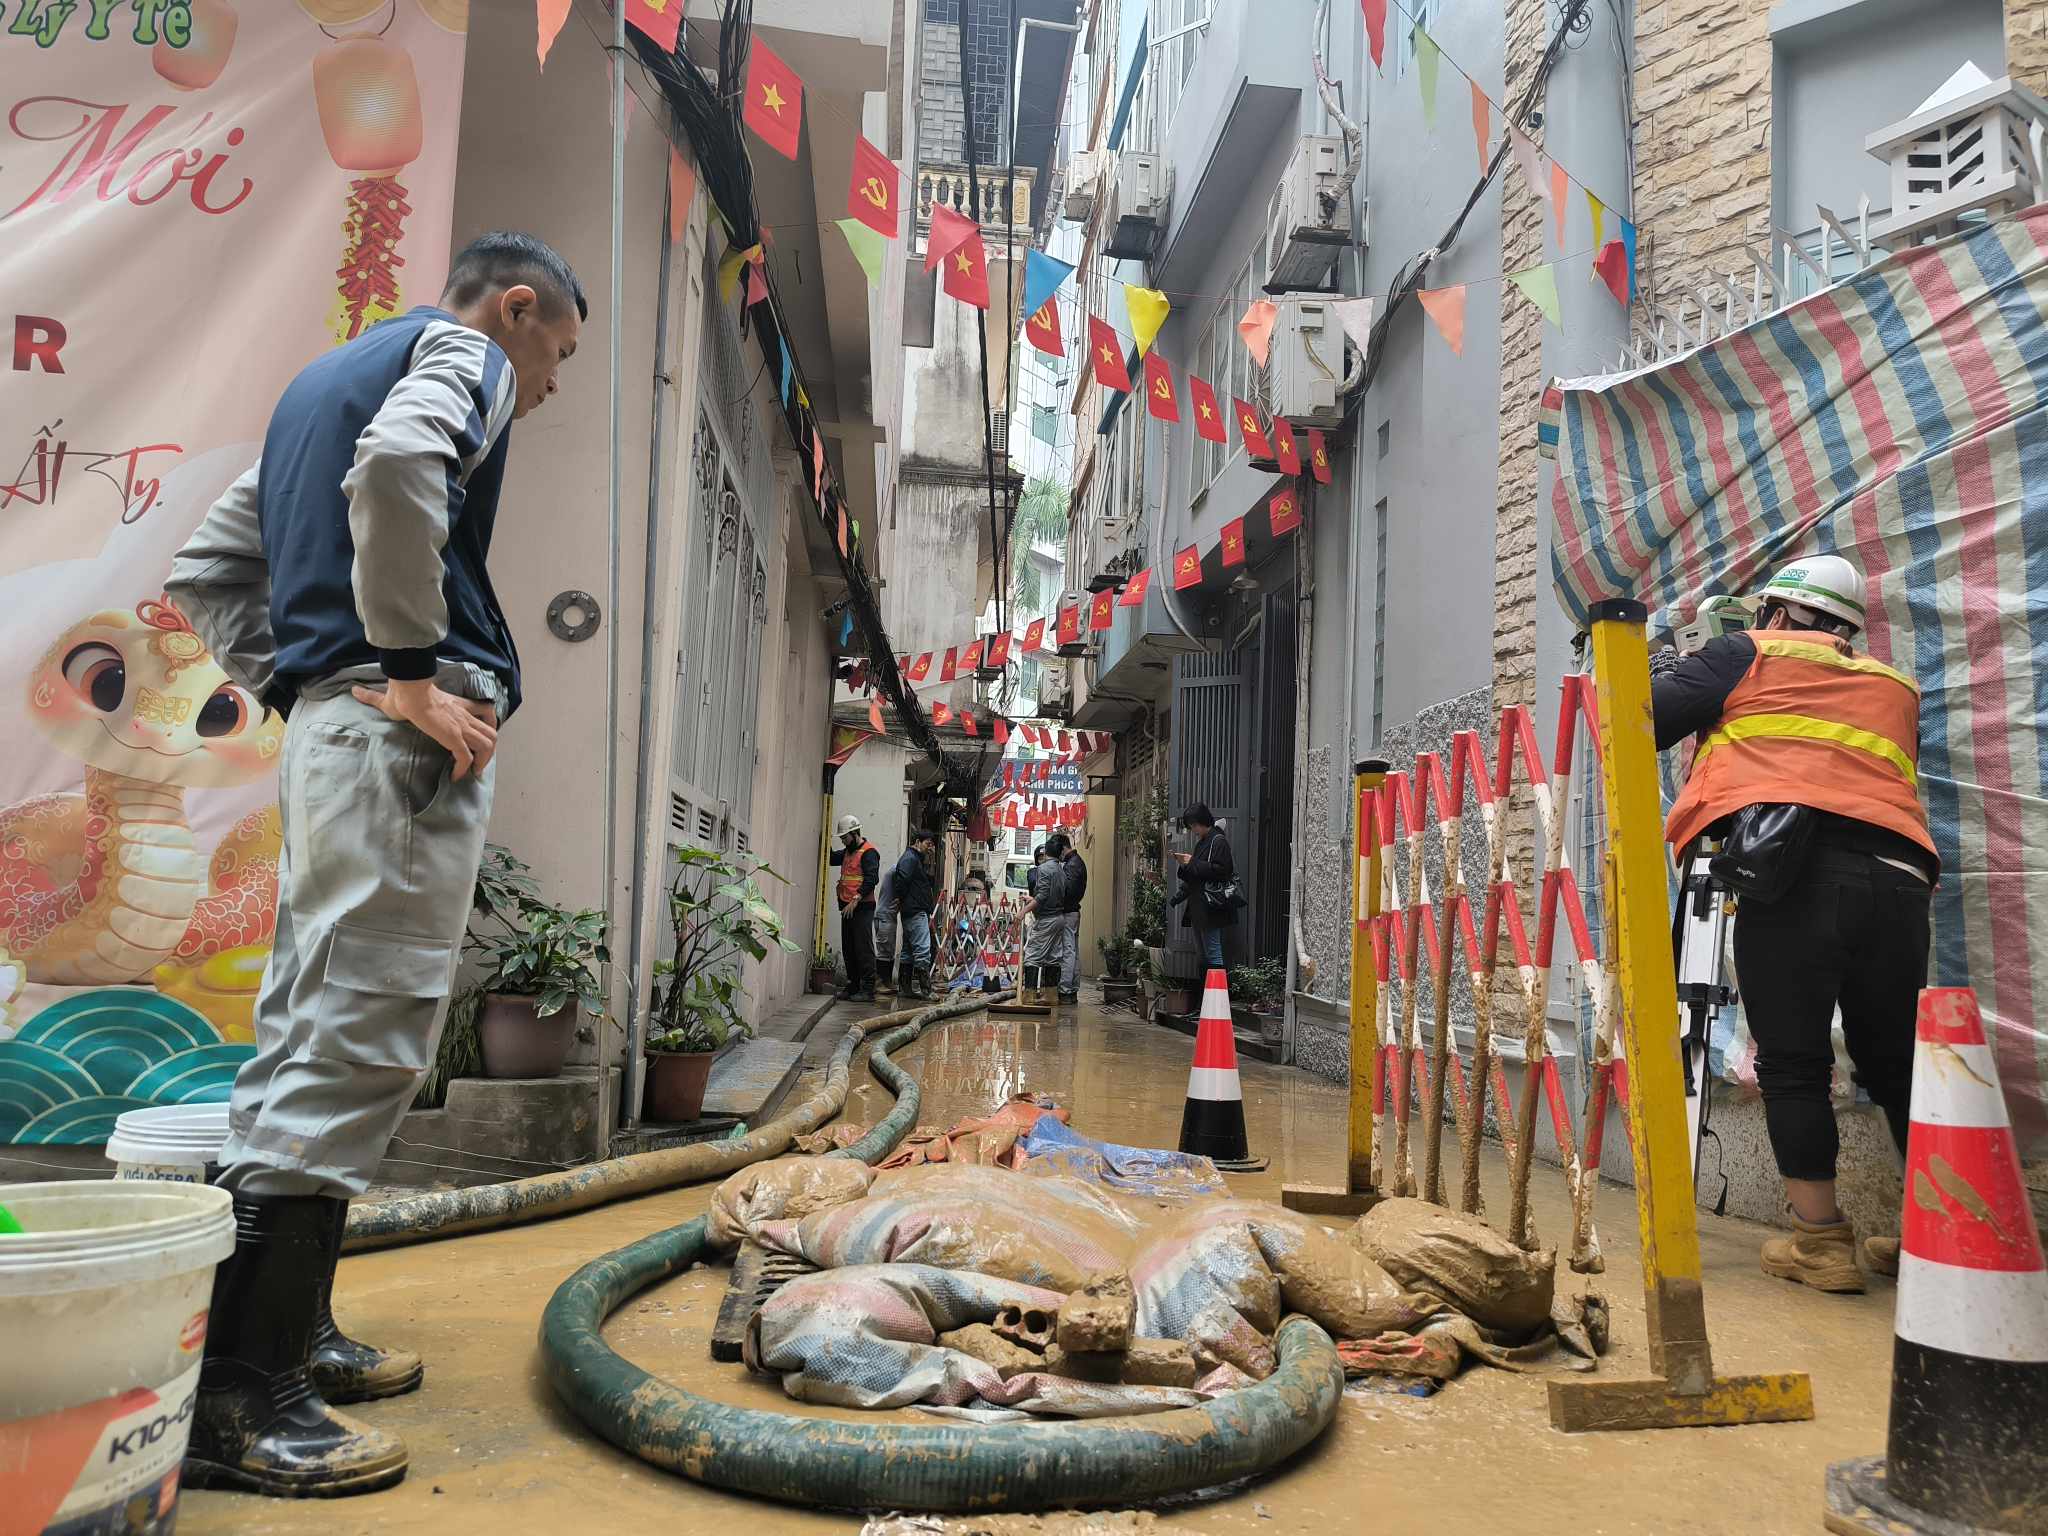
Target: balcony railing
(949, 184)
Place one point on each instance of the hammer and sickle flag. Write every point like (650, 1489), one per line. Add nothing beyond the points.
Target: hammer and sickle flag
(1042, 330)
(1159, 396)
(1319, 457)
(872, 197)
(1187, 568)
(1283, 512)
(1248, 429)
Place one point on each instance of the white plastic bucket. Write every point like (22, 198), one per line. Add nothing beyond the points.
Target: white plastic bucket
(173, 1144)
(103, 1301)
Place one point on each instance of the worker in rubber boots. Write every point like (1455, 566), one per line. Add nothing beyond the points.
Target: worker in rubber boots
(917, 897)
(859, 864)
(342, 581)
(1794, 717)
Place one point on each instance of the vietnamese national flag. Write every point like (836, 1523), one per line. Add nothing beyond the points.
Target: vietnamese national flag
(1319, 457)
(1070, 625)
(1283, 512)
(950, 667)
(875, 716)
(661, 20)
(1009, 774)
(1208, 419)
(1255, 442)
(998, 653)
(1187, 569)
(1003, 735)
(1135, 588)
(967, 722)
(1233, 542)
(970, 659)
(1034, 636)
(966, 272)
(871, 197)
(1066, 742)
(1102, 609)
(941, 713)
(921, 668)
(1106, 352)
(1283, 447)
(775, 96)
(1159, 396)
(1042, 330)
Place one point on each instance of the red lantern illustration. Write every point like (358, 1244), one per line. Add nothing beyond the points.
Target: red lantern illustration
(369, 103)
(198, 64)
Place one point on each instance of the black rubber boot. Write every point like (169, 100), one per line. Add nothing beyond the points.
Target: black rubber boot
(921, 982)
(259, 1424)
(343, 1370)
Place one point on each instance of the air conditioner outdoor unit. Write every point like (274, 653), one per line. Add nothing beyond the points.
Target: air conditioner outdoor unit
(1084, 176)
(1137, 205)
(1055, 700)
(1307, 223)
(1305, 363)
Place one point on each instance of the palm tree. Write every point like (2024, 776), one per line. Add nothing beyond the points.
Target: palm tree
(1041, 518)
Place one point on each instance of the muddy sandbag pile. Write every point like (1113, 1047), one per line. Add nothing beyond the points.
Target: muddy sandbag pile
(1194, 1289)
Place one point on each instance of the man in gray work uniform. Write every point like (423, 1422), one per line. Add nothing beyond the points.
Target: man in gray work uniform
(342, 580)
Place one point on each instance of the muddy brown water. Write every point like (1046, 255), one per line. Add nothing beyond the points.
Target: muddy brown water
(493, 1454)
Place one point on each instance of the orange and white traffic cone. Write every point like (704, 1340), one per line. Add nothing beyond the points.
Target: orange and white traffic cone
(1968, 1450)
(1212, 1124)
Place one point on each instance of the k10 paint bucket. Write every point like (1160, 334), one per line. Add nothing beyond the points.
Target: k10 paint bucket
(103, 1301)
(171, 1144)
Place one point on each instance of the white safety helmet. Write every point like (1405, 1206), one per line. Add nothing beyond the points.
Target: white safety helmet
(848, 825)
(1823, 583)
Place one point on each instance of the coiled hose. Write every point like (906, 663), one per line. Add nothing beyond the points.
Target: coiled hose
(834, 1463)
(452, 1212)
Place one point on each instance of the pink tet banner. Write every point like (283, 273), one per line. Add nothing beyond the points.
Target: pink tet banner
(197, 197)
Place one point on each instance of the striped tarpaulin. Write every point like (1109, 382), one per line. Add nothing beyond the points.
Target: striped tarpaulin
(1899, 418)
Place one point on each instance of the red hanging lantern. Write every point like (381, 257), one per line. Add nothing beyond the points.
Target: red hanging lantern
(369, 103)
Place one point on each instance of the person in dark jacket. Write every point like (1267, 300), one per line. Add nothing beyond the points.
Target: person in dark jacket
(1074, 886)
(917, 897)
(1045, 941)
(1208, 867)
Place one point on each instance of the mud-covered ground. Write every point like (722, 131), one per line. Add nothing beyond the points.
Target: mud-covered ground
(493, 1454)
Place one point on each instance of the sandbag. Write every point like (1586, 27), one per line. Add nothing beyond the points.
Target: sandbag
(1460, 1258)
(1044, 1232)
(867, 1337)
(783, 1187)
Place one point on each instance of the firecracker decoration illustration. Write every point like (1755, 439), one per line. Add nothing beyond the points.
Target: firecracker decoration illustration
(368, 98)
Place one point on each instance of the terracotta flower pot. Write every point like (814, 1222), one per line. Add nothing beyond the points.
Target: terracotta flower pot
(675, 1085)
(516, 1042)
(823, 978)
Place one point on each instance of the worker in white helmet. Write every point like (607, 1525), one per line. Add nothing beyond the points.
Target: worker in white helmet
(1807, 770)
(860, 871)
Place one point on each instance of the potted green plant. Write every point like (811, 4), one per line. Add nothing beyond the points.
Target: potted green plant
(719, 918)
(1118, 956)
(824, 976)
(539, 965)
(1259, 988)
(1147, 925)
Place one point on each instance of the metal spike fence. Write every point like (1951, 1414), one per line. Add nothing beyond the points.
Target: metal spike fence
(1426, 910)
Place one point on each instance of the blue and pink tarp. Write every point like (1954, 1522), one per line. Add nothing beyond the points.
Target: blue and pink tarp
(1899, 418)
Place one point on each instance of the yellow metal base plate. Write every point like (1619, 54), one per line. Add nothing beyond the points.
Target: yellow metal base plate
(1328, 1200)
(1651, 1404)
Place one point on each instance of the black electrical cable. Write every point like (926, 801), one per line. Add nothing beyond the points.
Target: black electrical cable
(974, 208)
(706, 116)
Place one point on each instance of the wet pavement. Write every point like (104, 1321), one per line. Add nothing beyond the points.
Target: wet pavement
(493, 1454)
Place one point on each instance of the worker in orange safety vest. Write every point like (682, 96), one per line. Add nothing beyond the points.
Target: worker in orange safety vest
(860, 869)
(1791, 716)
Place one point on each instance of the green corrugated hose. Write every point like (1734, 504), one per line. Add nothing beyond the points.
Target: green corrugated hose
(842, 1464)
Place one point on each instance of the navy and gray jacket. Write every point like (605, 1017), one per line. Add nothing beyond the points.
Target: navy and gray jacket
(356, 546)
(915, 889)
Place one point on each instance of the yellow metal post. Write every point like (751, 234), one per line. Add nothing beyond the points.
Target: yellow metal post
(1686, 1391)
(1358, 1194)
